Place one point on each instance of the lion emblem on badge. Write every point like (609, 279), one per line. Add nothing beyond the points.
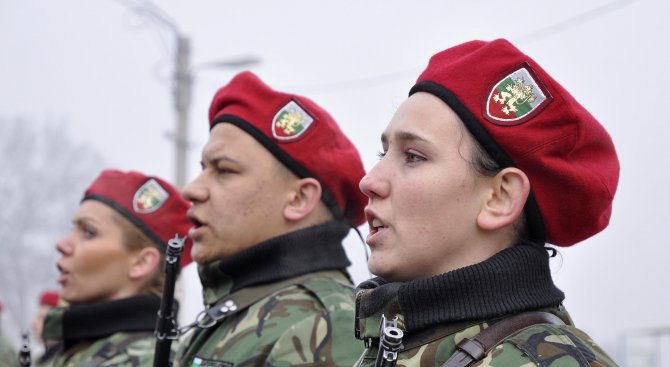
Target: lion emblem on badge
(149, 197)
(516, 97)
(516, 94)
(290, 122)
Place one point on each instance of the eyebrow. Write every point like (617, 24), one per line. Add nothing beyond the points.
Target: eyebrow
(404, 136)
(79, 221)
(215, 161)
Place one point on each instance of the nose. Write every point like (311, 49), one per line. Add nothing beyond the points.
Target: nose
(196, 191)
(65, 246)
(373, 184)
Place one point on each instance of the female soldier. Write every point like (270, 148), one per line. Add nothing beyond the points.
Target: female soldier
(112, 270)
(488, 159)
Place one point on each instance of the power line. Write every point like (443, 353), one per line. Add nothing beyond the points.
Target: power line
(538, 34)
(578, 19)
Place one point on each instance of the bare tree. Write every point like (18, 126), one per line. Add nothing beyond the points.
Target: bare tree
(42, 176)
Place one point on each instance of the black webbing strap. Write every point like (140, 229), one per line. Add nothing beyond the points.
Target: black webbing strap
(472, 350)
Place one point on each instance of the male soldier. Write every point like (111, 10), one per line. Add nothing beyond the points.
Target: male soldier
(488, 159)
(277, 195)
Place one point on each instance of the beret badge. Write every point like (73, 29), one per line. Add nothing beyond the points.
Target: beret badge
(290, 122)
(149, 197)
(516, 97)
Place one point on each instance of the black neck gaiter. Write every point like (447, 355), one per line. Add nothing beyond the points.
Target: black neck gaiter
(312, 249)
(98, 320)
(514, 280)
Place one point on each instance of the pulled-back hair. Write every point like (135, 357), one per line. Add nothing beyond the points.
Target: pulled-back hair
(134, 239)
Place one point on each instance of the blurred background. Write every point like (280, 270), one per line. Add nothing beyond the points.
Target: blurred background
(126, 84)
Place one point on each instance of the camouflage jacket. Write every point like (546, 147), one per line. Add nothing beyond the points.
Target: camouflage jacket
(437, 313)
(284, 302)
(117, 333)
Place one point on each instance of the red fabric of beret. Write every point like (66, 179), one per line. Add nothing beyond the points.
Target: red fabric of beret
(300, 134)
(150, 203)
(49, 298)
(524, 118)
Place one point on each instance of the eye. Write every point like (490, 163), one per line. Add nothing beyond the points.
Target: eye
(413, 157)
(223, 170)
(88, 232)
(381, 155)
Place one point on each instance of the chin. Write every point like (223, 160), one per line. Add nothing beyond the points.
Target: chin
(377, 269)
(198, 258)
(197, 253)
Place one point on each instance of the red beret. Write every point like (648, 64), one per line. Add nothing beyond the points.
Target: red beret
(151, 204)
(300, 134)
(49, 298)
(525, 119)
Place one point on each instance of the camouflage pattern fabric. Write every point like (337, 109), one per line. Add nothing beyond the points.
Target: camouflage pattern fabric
(8, 356)
(118, 350)
(304, 321)
(539, 345)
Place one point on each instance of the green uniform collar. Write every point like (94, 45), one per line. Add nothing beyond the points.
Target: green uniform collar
(313, 249)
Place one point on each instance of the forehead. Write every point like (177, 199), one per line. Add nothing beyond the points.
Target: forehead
(95, 210)
(424, 117)
(228, 138)
(228, 142)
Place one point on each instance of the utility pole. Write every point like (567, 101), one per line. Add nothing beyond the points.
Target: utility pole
(182, 84)
(182, 101)
(182, 81)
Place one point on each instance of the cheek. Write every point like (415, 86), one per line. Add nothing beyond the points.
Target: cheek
(259, 201)
(419, 203)
(105, 262)
(434, 208)
(237, 201)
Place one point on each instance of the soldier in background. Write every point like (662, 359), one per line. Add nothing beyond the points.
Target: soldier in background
(8, 355)
(277, 195)
(486, 161)
(112, 270)
(47, 300)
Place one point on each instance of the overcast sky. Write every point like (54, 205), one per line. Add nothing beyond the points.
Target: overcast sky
(104, 72)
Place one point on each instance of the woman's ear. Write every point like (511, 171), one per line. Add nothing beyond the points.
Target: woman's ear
(505, 200)
(144, 262)
(304, 198)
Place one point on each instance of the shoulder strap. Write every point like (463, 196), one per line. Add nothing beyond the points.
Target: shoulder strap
(472, 350)
(110, 349)
(327, 287)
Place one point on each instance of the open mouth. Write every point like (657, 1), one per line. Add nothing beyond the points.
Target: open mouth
(63, 274)
(375, 223)
(195, 221)
(196, 231)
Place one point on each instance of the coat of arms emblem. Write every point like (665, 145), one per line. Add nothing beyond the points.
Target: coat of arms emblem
(516, 98)
(149, 197)
(290, 122)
